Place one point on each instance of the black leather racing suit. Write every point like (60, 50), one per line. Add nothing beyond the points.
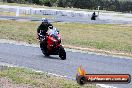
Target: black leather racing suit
(43, 28)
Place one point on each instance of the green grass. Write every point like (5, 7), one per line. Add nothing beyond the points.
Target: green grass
(39, 80)
(110, 37)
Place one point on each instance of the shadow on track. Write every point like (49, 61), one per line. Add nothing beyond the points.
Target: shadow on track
(51, 57)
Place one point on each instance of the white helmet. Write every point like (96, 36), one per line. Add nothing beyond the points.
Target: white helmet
(45, 20)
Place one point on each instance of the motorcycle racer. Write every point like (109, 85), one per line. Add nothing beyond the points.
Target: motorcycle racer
(43, 28)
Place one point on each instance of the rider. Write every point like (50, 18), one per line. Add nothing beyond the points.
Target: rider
(94, 16)
(43, 28)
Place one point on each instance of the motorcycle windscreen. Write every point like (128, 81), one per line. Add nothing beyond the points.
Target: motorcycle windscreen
(55, 36)
(52, 31)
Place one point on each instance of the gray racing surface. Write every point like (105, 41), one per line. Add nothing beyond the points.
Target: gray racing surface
(20, 18)
(32, 57)
(69, 19)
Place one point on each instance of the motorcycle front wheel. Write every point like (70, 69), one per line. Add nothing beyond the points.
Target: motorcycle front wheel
(45, 53)
(62, 53)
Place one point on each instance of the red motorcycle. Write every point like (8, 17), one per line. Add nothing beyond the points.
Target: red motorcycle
(51, 44)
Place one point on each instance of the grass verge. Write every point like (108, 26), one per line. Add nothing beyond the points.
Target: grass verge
(21, 76)
(111, 37)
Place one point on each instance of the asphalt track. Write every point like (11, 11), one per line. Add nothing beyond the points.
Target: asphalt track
(68, 19)
(31, 57)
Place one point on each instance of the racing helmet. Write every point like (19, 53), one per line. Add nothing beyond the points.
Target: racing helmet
(44, 20)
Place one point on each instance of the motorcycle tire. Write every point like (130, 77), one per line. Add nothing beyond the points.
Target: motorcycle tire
(45, 53)
(62, 53)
